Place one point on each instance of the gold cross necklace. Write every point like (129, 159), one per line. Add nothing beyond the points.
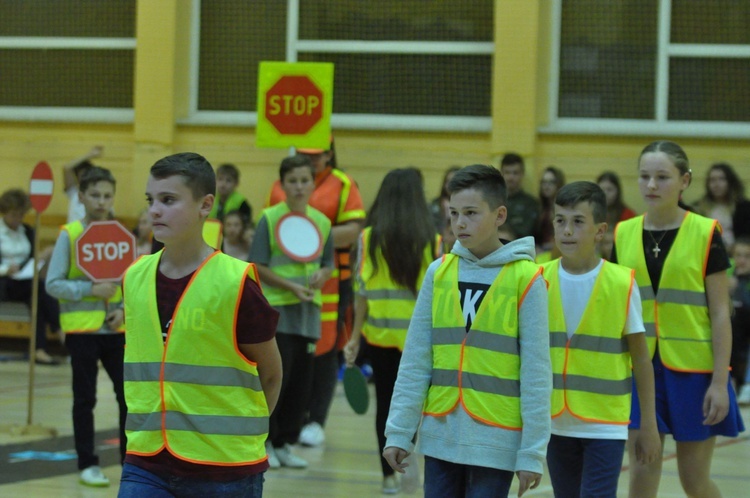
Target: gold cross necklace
(656, 250)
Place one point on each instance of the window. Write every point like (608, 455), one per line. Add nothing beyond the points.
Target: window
(65, 59)
(680, 67)
(398, 63)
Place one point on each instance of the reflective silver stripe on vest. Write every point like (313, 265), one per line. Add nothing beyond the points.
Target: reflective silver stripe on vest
(446, 336)
(650, 329)
(599, 344)
(493, 342)
(389, 294)
(674, 296)
(388, 323)
(192, 374)
(142, 372)
(477, 382)
(558, 339)
(591, 385)
(75, 306)
(204, 424)
(686, 339)
(647, 292)
(282, 260)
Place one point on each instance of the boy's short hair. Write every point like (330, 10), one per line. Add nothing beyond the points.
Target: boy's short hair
(95, 174)
(294, 162)
(194, 169)
(14, 199)
(237, 213)
(80, 168)
(512, 158)
(229, 170)
(576, 192)
(485, 179)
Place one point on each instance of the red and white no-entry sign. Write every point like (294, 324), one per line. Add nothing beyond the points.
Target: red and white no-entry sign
(42, 186)
(105, 250)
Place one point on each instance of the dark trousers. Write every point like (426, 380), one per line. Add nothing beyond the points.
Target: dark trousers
(325, 376)
(384, 362)
(584, 467)
(86, 350)
(286, 421)
(48, 309)
(326, 366)
(451, 480)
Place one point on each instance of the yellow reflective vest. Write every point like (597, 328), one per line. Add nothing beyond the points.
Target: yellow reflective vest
(234, 202)
(389, 306)
(88, 314)
(677, 316)
(195, 395)
(591, 372)
(282, 265)
(479, 369)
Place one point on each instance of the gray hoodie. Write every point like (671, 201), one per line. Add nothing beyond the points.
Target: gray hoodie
(457, 437)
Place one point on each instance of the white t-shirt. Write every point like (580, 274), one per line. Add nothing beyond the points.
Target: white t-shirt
(76, 210)
(576, 291)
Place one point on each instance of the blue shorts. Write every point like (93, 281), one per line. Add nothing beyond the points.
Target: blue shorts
(679, 406)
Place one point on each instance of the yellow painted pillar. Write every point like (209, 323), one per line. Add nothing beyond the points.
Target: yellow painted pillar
(162, 56)
(515, 74)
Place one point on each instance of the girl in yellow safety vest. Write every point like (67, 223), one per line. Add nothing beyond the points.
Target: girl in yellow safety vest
(394, 252)
(680, 264)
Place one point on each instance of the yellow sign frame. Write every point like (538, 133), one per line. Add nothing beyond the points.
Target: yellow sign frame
(321, 75)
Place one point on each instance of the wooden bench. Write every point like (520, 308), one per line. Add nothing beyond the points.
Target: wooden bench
(15, 320)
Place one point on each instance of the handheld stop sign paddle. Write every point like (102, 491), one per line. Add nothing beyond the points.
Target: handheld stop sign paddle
(299, 238)
(355, 388)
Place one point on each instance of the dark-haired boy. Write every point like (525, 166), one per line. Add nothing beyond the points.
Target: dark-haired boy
(227, 197)
(92, 318)
(202, 370)
(596, 331)
(476, 352)
(293, 288)
(523, 208)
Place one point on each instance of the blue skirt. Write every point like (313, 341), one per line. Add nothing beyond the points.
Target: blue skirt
(679, 406)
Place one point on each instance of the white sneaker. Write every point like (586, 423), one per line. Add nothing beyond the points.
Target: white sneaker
(92, 476)
(289, 459)
(312, 435)
(744, 397)
(390, 485)
(410, 481)
(273, 460)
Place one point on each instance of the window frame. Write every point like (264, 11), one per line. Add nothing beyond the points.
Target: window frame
(659, 125)
(296, 46)
(115, 115)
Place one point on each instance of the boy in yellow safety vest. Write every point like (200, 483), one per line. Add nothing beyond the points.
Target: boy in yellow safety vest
(476, 352)
(91, 316)
(293, 287)
(202, 369)
(596, 331)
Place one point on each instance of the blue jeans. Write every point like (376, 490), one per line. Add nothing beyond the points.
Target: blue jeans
(138, 483)
(584, 468)
(453, 480)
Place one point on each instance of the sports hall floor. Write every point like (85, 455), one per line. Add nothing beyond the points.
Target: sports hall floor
(36, 466)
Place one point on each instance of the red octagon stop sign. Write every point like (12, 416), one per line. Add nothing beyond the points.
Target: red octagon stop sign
(294, 104)
(104, 251)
